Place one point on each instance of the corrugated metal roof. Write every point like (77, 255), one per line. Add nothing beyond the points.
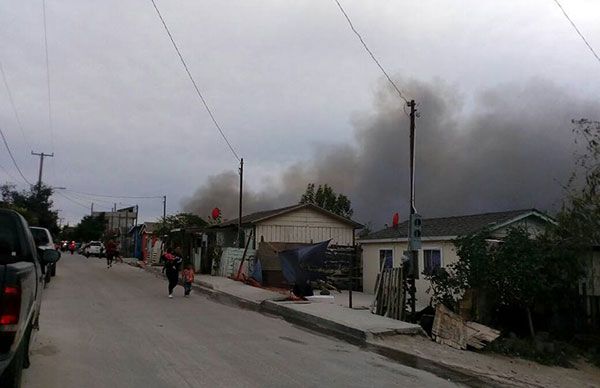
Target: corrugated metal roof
(454, 226)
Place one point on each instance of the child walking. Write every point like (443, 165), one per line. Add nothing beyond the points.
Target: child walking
(188, 279)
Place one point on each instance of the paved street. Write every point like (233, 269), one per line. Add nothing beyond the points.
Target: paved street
(116, 328)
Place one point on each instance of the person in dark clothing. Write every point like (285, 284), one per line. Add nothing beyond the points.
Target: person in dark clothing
(111, 249)
(171, 268)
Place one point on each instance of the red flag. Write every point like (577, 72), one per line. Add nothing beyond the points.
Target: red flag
(216, 212)
(395, 220)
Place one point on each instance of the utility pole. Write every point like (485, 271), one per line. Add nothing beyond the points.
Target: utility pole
(41, 155)
(92, 209)
(414, 224)
(164, 208)
(239, 236)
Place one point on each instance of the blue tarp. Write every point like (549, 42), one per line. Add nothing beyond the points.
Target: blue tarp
(295, 261)
(257, 273)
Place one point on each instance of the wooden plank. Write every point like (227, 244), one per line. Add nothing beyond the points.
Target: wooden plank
(448, 328)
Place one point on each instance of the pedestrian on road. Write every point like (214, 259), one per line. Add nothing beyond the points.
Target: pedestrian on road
(188, 279)
(111, 251)
(72, 247)
(171, 268)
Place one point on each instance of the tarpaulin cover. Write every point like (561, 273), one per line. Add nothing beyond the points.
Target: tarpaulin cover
(295, 261)
(257, 273)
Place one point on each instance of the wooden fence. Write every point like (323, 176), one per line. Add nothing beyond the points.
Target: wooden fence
(390, 294)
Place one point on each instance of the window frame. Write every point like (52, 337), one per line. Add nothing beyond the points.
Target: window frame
(381, 264)
(433, 248)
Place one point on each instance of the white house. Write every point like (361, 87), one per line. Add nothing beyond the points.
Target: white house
(301, 223)
(384, 248)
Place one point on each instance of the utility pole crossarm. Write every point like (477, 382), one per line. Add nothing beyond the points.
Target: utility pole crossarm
(41, 155)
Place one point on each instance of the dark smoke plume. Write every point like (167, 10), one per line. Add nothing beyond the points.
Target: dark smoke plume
(511, 148)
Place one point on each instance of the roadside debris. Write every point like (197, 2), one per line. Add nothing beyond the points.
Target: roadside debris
(450, 329)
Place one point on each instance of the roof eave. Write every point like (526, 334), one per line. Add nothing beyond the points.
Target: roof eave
(405, 239)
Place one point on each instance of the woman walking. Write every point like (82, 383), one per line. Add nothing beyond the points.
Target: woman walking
(172, 264)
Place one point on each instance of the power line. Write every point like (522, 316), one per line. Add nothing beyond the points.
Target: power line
(210, 113)
(92, 199)
(13, 158)
(48, 78)
(14, 107)
(7, 173)
(116, 196)
(578, 32)
(362, 41)
(71, 200)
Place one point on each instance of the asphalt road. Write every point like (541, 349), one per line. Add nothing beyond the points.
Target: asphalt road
(116, 328)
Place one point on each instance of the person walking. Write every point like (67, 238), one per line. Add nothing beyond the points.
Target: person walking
(111, 251)
(171, 268)
(188, 279)
(72, 247)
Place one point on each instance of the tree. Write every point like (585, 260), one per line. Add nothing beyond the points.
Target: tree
(326, 198)
(90, 228)
(519, 273)
(34, 204)
(179, 220)
(579, 218)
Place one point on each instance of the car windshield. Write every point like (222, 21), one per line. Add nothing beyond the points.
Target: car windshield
(95, 244)
(10, 243)
(40, 236)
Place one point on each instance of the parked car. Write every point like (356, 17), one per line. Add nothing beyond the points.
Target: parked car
(43, 240)
(21, 285)
(94, 248)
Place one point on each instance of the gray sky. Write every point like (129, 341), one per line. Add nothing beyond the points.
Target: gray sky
(286, 80)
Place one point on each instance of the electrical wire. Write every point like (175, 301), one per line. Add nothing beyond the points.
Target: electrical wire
(72, 200)
(187, 70)
(578, 32)
(96, 199)
(13, 158)
(116, 196)
(51, 126)
(14, 107)
(364, 44)
(8, 173)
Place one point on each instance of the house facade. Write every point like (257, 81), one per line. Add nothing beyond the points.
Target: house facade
(302, 223)
(385, 248)
(282, 228)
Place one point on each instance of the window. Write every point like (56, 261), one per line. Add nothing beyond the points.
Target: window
(432, 260)
(386, 259)
(39, 236)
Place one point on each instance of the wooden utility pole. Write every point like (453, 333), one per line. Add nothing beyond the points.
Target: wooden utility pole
(239, 235)
(41, 155)
(164, 208)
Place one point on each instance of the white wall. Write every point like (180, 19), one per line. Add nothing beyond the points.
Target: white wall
(304, 226)
(371, 256)
(370, 252)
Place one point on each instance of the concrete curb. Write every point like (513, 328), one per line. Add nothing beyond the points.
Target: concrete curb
(354, 336)
(438, 368)
(309, 321)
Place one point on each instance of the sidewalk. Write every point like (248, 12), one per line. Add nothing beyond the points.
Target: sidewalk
(401, 341)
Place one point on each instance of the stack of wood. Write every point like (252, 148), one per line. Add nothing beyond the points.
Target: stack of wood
(389, 294)
(450, 329)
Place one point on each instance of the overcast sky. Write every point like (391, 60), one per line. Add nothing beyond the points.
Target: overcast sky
(284, 79)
